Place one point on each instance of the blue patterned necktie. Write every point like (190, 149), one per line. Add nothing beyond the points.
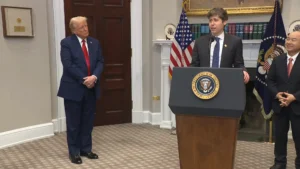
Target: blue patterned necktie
(215, 62)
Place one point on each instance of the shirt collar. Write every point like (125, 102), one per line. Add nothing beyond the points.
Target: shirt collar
(80, 39)
(221, 36)
(294, 56)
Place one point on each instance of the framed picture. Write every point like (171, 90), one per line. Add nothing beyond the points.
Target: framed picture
(201, 7)
(294, 26)
(17, 21)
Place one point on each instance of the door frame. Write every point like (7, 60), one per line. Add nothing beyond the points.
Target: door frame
(136, 60)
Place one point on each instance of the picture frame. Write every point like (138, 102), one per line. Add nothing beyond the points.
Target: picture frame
(233, 7)
(294, 26)
(17, 21)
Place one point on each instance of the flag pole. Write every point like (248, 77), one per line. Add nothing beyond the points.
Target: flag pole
(274, 47)
(270, 131)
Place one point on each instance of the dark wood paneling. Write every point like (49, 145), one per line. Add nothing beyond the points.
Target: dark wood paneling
(113, 3)
(109, 22)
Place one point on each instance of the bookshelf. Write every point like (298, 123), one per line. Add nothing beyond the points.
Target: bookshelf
(249, 32)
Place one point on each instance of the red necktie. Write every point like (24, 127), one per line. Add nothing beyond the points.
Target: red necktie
(290, 66)
(86, 56)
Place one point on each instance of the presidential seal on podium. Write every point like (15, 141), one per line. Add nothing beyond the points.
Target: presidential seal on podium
(205, 85)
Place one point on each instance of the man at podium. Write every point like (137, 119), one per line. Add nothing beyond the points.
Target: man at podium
(218, 49)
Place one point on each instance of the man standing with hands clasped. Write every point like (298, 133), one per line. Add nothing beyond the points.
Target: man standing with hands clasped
(284, 84)
(82, 61)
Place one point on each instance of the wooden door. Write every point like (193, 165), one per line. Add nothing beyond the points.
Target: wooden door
(109, 22)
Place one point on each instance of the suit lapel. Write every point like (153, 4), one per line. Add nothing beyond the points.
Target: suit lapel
(77, 47)
(296, 66)
(207, 59)
(91, 49)
(224, 49)
(284, 68)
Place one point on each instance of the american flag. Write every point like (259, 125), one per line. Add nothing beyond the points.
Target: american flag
(182, 46)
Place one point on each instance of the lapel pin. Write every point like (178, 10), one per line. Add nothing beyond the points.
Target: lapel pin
(90, 42)
(225, 45)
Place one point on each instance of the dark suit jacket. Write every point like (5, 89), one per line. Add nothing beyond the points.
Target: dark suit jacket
(75, 68)
(232, 55)
(278, 81)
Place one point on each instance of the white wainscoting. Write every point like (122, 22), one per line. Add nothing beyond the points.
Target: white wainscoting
(26, 134)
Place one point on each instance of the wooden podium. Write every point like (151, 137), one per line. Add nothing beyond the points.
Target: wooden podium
(207, 128)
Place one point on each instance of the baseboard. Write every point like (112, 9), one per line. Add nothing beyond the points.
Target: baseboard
(59, 125)
(166, 125)
(55, 125)
(155, 118)
(26, 134)
(137, 117)
(146, 116)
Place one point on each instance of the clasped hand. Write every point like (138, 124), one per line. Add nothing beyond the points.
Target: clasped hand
(89, 81)
(285, 98)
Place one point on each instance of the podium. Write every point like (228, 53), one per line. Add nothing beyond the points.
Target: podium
(207, 125)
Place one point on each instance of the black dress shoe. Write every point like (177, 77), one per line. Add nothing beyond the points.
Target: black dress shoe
(89, 155)
(75, 159)
(278, 166)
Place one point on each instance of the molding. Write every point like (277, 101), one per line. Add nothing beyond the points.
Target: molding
(162, 42)
(254, 41)
(151, 118)
(55, 125)
(137, 116)
(26, 134)
(137, 60)
(59, 124)
(166, 125)
(146, 116)
(250, 63)
(155, 118)
(59, 34)
(173, 119)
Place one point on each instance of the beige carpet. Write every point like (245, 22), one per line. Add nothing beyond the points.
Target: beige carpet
(127, 146)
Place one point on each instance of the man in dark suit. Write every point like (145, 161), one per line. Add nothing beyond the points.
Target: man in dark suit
(82, 65)
(284, 84)
(218, 49)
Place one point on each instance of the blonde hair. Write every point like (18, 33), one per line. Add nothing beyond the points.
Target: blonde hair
(75, 20)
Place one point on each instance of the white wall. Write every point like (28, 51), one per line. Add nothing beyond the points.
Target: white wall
(147, 66)
(25, 72)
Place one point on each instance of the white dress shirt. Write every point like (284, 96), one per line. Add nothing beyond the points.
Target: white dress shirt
(80, 41)
(212, 47)
(87, 47)
(294, 58)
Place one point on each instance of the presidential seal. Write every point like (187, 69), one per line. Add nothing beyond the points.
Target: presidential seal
(205, 85)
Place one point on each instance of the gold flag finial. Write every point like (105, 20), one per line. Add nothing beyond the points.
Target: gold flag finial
(184, 3)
